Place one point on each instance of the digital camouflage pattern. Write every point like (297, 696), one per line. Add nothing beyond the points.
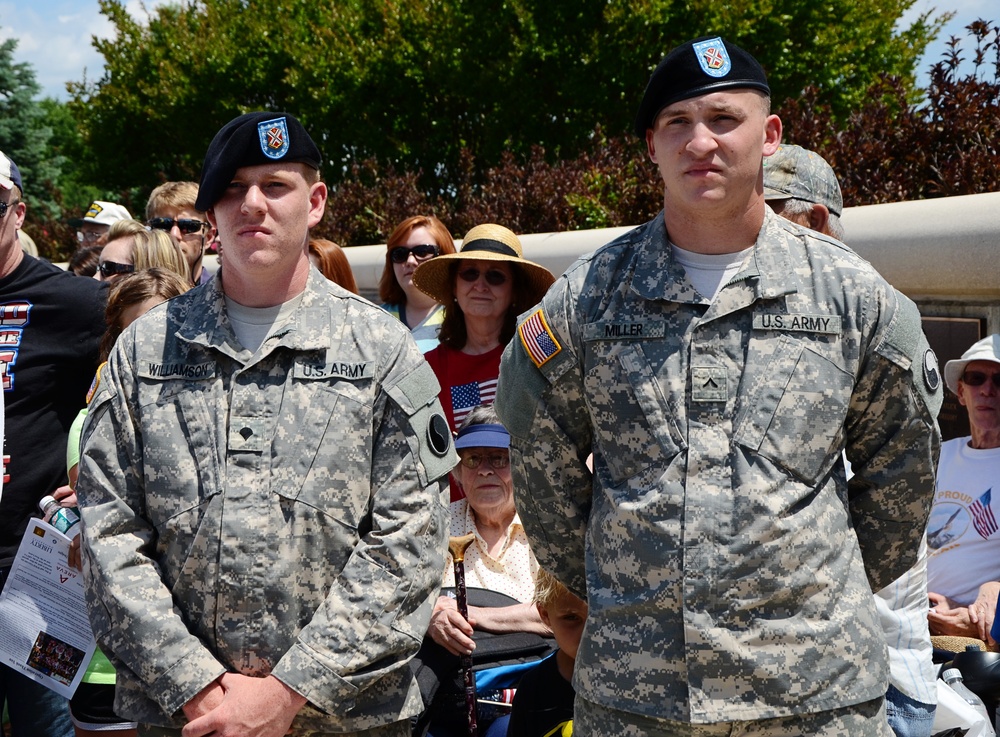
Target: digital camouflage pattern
(276, 513)
(858, 720)
(721, 549)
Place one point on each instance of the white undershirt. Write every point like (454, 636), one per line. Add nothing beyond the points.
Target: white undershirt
(252, 325)
(709, 272)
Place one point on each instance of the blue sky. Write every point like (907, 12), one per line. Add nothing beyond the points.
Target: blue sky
(54, 36)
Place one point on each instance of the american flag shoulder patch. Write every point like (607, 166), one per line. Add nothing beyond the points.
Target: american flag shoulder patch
(538, 339)
(96, 383)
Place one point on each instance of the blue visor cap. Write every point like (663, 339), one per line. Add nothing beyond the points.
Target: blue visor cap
(483, 436)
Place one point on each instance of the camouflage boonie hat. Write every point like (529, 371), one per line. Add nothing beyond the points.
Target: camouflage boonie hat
(793, 172)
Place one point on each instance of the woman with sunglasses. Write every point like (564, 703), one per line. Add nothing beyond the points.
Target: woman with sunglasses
(132, 247)
(484, 287)
(414, 241)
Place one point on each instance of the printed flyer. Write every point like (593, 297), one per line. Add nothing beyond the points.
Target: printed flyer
(44, 630)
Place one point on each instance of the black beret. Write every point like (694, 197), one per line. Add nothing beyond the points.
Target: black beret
(250, 140)
(698, 67)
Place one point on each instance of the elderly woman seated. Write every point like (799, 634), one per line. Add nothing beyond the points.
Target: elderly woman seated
(499, 559)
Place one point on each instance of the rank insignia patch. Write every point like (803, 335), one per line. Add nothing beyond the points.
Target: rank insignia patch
(273, 136)
(713, 57)
(538, 339)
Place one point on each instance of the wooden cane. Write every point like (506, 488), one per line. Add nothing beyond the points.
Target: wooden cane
(457, 547)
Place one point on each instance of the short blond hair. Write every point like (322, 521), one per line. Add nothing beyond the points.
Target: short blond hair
(548, 589)
(175, 195)
(124, 228)
(157, 248)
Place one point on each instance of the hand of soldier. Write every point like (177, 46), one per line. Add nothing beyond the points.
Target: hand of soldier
(449, 628)
(263, 707)
(204, 701)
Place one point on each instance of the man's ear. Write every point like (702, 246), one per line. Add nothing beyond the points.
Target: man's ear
(650, 145)
(819, 218)
(772, 134)
(20, 210)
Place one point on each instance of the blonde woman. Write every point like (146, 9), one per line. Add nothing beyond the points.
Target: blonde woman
(132, 249)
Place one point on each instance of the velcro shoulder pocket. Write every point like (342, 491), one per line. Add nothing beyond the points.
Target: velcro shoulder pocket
(416, 393)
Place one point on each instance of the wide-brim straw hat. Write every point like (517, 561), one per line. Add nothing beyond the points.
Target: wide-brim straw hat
(489, 242)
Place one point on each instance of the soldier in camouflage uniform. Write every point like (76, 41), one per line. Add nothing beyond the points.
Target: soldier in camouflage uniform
(262, 477)
(802, 187)
(716, 362)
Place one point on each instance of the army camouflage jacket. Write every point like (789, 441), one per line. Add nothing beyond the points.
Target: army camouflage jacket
(277, 513)
(724, 555)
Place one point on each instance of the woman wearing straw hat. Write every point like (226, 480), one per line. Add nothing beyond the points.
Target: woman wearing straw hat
(414, 241)
(483, 287)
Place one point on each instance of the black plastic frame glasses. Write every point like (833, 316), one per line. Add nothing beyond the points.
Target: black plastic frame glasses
(187, 226)
(496, 460)
(494, 277)
(400, 254)
(978, 378)
(4, 206)
(112, 268)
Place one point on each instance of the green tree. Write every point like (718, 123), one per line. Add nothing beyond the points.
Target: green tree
(413, 83)
(71, 189)
(23, 133)
(892, 149)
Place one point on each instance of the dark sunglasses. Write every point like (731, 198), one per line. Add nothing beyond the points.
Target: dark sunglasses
(493, 277)
(184, 225)
(496, 460)
(4, 206)
(978, 378)
(110, 268)
(400, 254)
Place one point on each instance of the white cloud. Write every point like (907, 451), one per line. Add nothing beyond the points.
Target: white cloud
(56, 38)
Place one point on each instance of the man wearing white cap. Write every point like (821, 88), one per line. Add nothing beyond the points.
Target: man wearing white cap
(92, 229)
(962, 533)
(51, 324)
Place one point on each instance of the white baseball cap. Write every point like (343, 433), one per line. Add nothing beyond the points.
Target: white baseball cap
(10, 177)
(102, 213)
(987, 349)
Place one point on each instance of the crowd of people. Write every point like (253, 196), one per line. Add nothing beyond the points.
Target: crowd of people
(690, 460)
